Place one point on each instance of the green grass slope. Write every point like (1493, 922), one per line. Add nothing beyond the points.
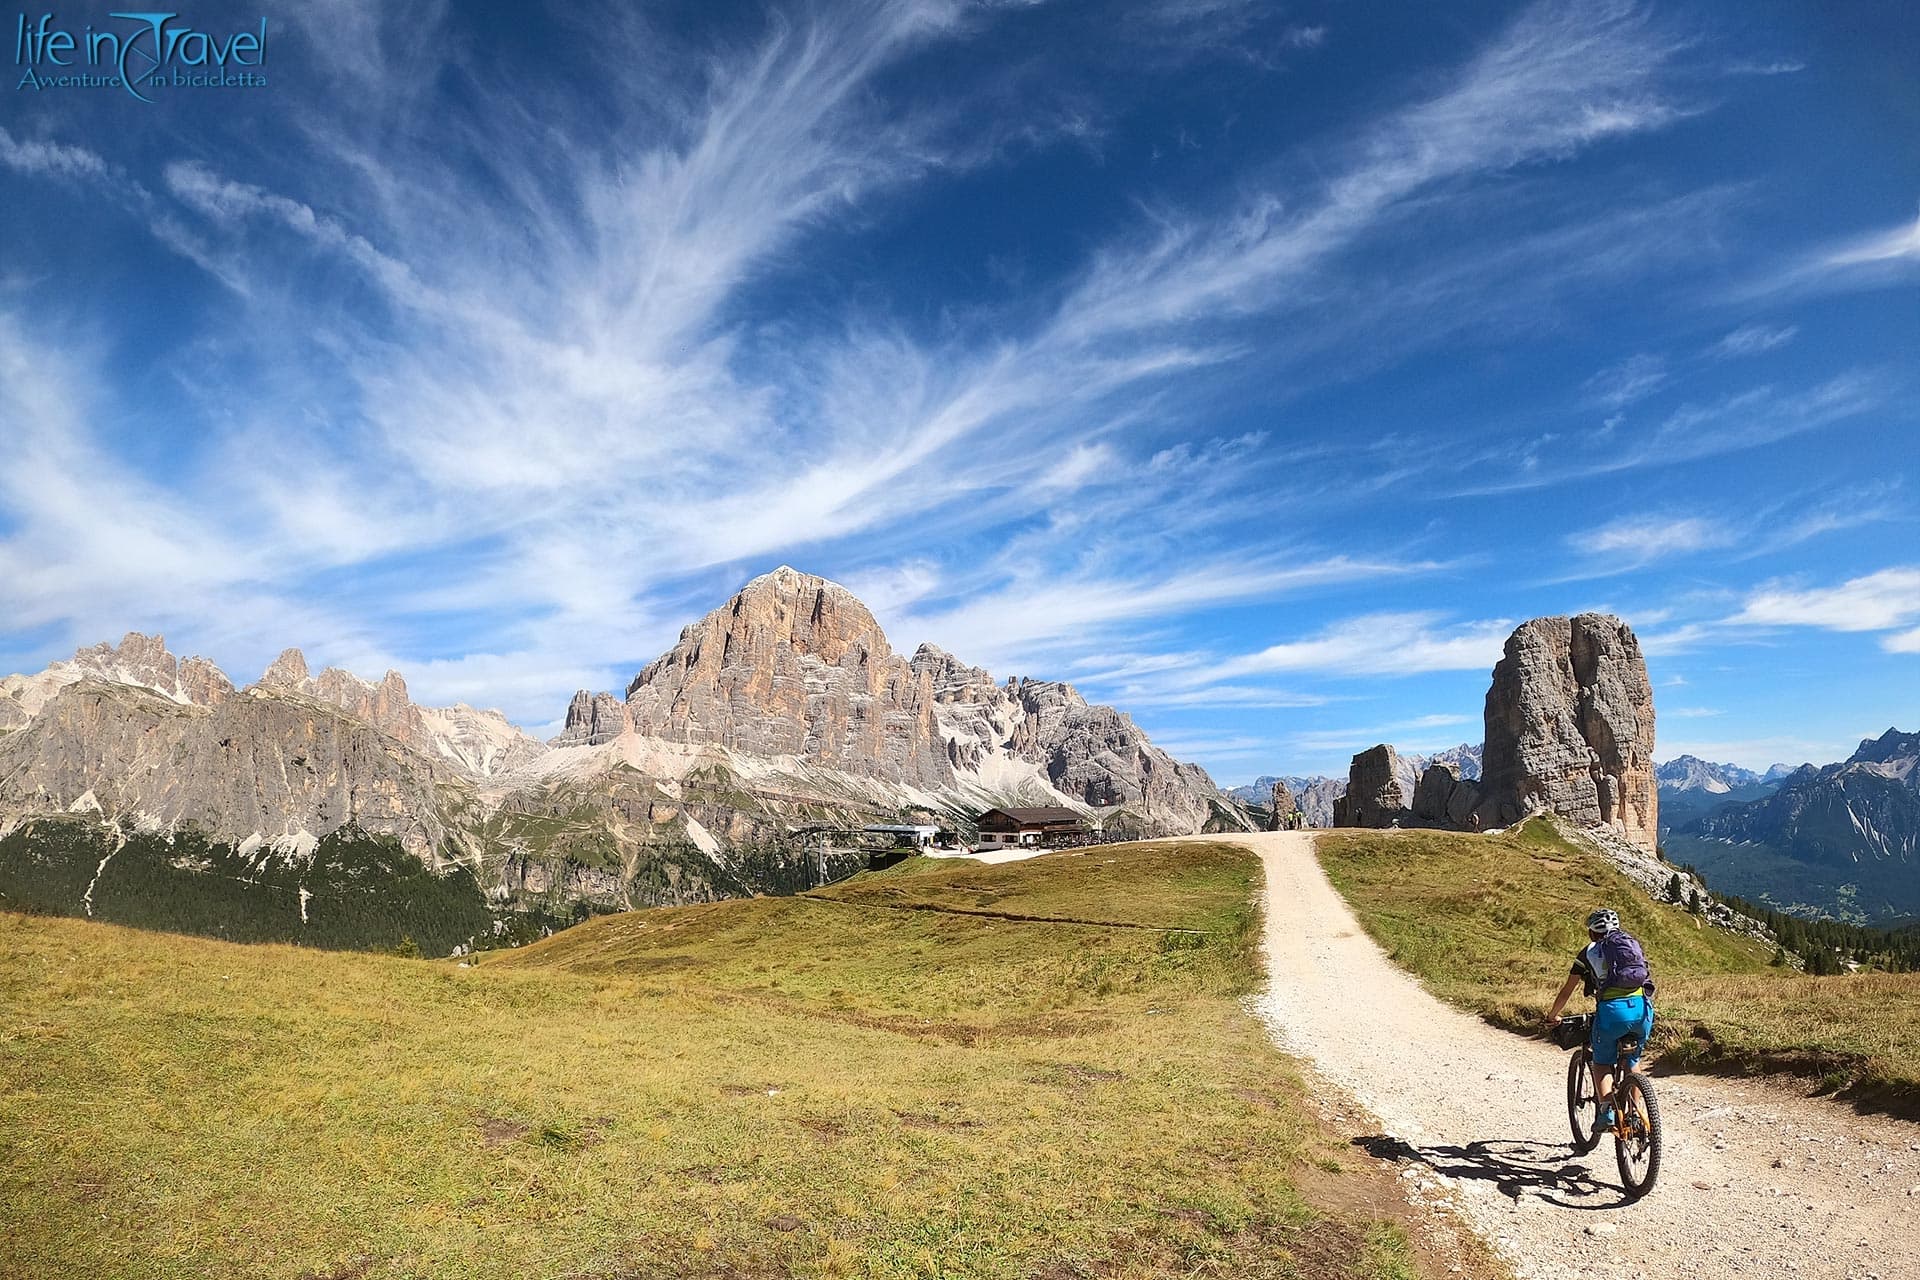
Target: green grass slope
(1035, 1070)
(1491, 923)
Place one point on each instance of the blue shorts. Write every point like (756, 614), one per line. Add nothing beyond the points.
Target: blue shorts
(1631, 1016)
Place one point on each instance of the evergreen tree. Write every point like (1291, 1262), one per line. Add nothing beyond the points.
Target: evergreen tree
(1673, 887)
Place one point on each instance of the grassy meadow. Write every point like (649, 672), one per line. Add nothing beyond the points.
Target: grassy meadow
(1491, 923)
(1041, 1070)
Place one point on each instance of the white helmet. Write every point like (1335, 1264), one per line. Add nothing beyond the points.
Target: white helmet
(1603, 922)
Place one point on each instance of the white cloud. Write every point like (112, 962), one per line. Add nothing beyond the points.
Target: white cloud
(1418, 735)
(1753, 340)
(1395, 644)
(1733, 423)
(549, 398)
(40, 159)
(1032, 613)
(1634, 378)
(1896, 243)
(1778, 67)
(1904, 642)
(1641, 539)
(1866, 261)
(1875, 602)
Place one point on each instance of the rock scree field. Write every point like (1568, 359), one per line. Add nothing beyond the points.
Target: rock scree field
(1759, 1180)
(1042, 1069)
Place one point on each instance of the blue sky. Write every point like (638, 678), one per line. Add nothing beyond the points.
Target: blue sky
(1257, 368)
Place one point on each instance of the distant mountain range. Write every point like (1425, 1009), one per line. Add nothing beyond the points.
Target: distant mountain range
(1841, 839)
(1691, 773)
(138, 786)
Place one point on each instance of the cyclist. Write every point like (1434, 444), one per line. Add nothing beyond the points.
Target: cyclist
(1612, 968)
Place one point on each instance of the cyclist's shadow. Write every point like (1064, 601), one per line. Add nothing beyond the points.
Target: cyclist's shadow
(1517, 1166)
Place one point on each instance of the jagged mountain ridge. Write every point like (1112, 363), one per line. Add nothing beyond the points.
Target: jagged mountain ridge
(783, 710)
(1865, 808)
(1691, 773)
(795, 666)
(1841, 838)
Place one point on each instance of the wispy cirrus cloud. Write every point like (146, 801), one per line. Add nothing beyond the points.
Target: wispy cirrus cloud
(518, 367)
(1382, 644)
(1634, 378)
(1881, 601)
(1870, 260)
(1639, 539)
(42, 159)
(1731, 423)
(1631, 542)
(1753, 340)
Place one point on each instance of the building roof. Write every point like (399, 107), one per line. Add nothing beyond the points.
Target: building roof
(1049, 815)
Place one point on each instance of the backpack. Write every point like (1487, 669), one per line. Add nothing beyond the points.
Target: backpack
(1626, 962)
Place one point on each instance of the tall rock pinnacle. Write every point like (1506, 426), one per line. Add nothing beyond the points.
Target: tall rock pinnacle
(1570, 728)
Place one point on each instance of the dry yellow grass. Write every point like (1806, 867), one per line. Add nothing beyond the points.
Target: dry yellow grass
(877, 1082)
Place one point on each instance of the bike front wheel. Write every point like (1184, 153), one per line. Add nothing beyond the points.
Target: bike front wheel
(1637, 1134)
(1583, 1112)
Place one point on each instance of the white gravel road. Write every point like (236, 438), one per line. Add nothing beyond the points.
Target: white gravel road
(1757, 1181)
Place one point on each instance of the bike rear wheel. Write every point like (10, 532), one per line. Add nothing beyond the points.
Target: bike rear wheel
(1583, 1112)
(1637, 1137)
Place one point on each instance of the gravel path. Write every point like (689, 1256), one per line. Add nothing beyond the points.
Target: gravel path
(1756, 1181)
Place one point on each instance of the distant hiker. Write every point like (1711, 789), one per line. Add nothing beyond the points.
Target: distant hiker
(1612, 968)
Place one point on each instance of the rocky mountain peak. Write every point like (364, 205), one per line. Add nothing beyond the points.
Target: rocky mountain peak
(139, 660)
(1889, 746)
(288, 671)
(792, 665)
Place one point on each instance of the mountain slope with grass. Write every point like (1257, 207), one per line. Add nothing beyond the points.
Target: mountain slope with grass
(1037, 1069)
(1491, 923)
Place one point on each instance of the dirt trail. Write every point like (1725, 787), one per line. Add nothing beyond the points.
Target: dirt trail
(1756, 1181)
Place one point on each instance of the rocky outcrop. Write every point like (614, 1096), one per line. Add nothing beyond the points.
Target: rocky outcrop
(975, 717)
(1374, 797)
(1569, 728)
(1444, 798)
(794, 665)
(1282, 807)
(593, 719)
(480, 742)
(1462, 803)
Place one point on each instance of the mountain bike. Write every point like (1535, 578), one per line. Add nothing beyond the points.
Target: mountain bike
(1636, 1112)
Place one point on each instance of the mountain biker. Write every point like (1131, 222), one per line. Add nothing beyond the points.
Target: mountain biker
(1612, 968)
